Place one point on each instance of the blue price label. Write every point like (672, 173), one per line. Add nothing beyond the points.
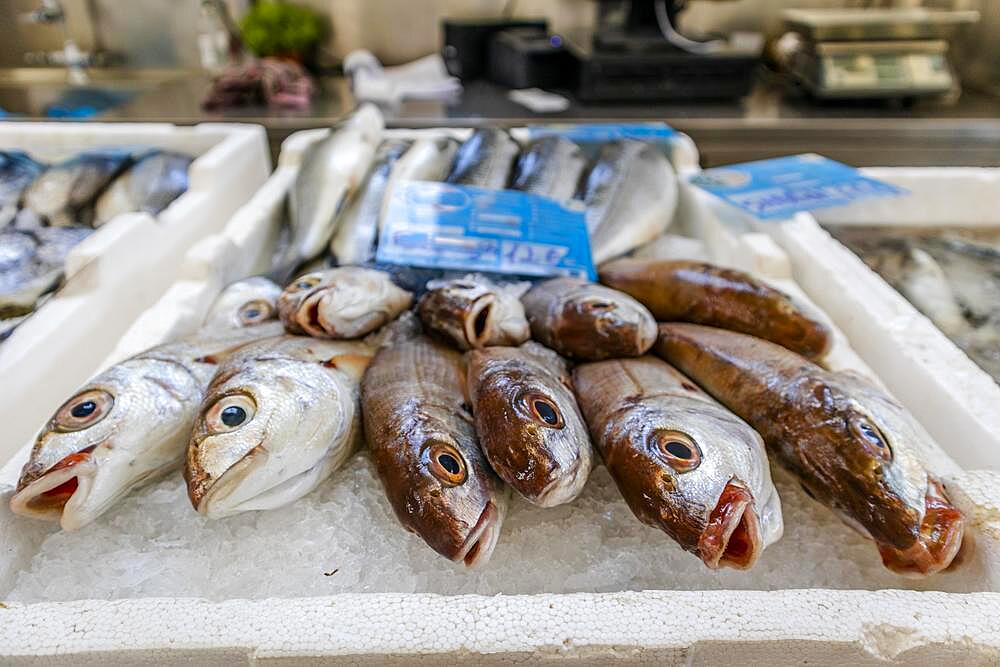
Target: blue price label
(602, 133)
(779, 188)
(439, 225)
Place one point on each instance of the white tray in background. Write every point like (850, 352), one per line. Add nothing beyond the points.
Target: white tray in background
(783, 627)
(125, 266)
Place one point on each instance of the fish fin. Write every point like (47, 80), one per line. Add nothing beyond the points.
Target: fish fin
(352, 364)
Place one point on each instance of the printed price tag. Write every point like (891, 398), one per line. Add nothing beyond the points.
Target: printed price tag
(440, 225)
(779, 188)
(601, 133)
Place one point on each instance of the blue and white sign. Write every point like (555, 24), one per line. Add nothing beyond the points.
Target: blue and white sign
(602, 133)
(779, 188)
(439, 225)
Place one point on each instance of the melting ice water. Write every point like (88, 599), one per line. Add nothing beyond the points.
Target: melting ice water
(344, 538)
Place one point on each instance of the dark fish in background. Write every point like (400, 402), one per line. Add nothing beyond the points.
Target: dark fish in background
(703, 293)
(853, 447)
(150, 185)
(485, 159)
(17, 171)
(32, 262)
(550, 167)
(64, 194)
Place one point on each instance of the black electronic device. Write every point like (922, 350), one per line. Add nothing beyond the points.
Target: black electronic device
(530, 58)
(467, 41)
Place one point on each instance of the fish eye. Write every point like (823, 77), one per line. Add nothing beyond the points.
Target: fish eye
(543, 409)
(230, 413)
(872, 437)
(83, 410)
(678, 449)
(305, 282)
(255, 311)
(446, 463)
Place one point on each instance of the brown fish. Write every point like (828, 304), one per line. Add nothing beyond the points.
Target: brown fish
(473, 313)
(683, 463)
(420, 432)
(529, 425)
(702, 293)
(852, 447)
(587, 321)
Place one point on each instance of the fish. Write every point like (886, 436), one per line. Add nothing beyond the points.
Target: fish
(473, 312)
(704, 293)
(32, 263)
(148, 186)
(358, 224)
(331, 169)
(419, 429)
(851, 446)
(428, 159)
(345, 302)
(923, 282)
(683, 463)
(550, 167)
(64, 194)
(124, 428)
(244, 303)
(630, 195)
(586, 321)
(279, 417)
(17, 171)
(485, 159)
(530, 428)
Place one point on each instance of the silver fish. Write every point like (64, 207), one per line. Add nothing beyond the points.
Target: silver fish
(631, 194)
(345, 302)
(550, 167)
(149, 186)
(246, 302)
(64, 193)
(32, 263)
(530, 428)
(358, 224)
(17, 171)
(473, 312)
(428, 159)
(331, 169)
(127, 426)
(682, 462)
(280, 416)
(484, 159)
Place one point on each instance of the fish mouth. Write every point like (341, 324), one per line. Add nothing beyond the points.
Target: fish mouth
(939, 542)
(308, 315)
(66, 484)
(732, 536)
(478, 317)
(479, 545)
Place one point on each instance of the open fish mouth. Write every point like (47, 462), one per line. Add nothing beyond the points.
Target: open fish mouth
(478, 321)
(67, 483)
(732, 536)
(941, 537)
(308, 315)
(479, 545)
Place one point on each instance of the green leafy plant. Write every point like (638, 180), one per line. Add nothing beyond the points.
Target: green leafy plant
(273, 28)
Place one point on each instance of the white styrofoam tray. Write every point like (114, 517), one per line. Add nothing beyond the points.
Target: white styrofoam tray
(116, 273)
(660, 627)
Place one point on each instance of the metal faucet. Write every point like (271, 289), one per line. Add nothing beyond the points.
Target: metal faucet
(51, 12)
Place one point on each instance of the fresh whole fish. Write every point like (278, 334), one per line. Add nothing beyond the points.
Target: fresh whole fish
(345, 302)
(420, 433)
(630, 193)
(331, 169)
(280, 416)
(244, 303)
(473, 313)
(149, 185)
(485, 159)
(683, 463)
(357, 228)
(428, 159)
(551, 167)
(17, 171)
(924, 284)
(583, 320)
(64, 193)
(530, 428)
(851, 446)
(32, 263)
(703, 293)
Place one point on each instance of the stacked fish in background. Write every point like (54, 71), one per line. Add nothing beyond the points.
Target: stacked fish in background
(679, 376)
(45, 210)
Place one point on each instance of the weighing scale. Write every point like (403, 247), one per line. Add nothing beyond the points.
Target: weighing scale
(874, 53)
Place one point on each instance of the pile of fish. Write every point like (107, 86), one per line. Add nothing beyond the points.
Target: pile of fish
(45, 210)
(680, 377)
(952, 276)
